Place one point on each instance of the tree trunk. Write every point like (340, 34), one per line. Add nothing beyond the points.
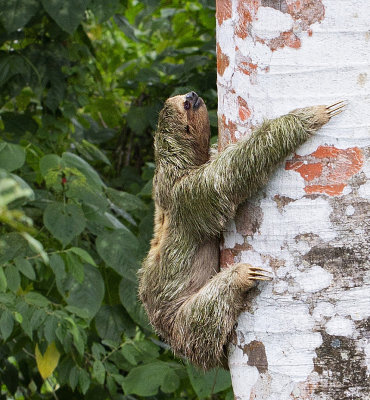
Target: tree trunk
(306, 334)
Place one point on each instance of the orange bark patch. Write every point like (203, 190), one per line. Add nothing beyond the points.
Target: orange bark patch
(308, 171)
(328, 169)
(222, 61)
(226, 133)
(246, 12)
(244, 111)
(247, 67)
(291, 40)
(223, 10)
(288, 39)
(306, 11)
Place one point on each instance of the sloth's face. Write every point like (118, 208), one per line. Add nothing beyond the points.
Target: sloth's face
(184, 123)
(190, 111)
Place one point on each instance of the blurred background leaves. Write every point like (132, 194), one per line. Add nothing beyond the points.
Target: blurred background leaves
(81, 84)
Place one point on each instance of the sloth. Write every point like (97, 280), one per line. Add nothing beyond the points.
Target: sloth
(190, 303)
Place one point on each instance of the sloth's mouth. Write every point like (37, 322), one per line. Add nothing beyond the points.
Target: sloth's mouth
(194, 99)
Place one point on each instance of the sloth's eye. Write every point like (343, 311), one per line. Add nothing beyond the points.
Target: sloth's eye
(187, 105)
(187, 129)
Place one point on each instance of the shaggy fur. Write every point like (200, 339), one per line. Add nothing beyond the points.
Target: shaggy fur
(190, 303)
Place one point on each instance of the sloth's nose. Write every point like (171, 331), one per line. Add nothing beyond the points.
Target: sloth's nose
(192, 97)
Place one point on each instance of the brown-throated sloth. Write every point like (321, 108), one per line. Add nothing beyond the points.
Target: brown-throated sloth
(190, 303)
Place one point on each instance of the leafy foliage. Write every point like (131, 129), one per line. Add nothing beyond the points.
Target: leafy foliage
(81, 84)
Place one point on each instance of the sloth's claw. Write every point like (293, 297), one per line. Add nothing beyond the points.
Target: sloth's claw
(259, 274)
(336, 108)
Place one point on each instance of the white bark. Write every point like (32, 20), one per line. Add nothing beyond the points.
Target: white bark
(306, 334)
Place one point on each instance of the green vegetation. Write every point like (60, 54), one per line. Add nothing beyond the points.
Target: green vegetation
(81, 83)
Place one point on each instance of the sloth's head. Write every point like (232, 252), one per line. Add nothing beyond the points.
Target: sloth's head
(183, 126)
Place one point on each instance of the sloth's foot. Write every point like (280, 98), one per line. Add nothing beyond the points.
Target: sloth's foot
(321, 115)
(248, 275)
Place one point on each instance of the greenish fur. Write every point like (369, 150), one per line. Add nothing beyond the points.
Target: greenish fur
(190, 303)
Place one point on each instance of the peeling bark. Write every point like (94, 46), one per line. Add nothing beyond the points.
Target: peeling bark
(305, 335)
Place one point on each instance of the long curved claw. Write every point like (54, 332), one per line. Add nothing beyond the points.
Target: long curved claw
(336, 108)
(260, 278)
(259, 274)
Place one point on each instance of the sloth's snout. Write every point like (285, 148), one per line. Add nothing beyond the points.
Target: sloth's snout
(194, 99)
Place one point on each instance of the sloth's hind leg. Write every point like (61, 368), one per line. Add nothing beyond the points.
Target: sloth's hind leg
(205, 321)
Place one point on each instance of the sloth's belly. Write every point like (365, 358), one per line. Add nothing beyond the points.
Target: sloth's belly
(205, 264)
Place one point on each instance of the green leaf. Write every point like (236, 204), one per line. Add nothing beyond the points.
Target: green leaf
(91, 152)
(18, 317)
(48, 162)
(36, 247)
(99, 371)
(142, 350)
(15, 14)
(147, 379)
(98, 351)
(83, 254)
(125, 27)
(73, 377)
(64, 221)
(126, 201)
(112, 321)
(10, 66)
(3, 283)
(37, 319)
(119, 250)
(87, 195)
(84, 381)
(111, 385)
(12, 245)
(50, 327)
(12, 156)
(207, 383)
(6, 324)
(171, 382)
(128, 297)
(87, 295)
(75, 267)
(36, 299)
(58, 267)
(73, 161)
(66, 13)
(12, 277)
(26, 312)
(103, 9)
(129, 352)
(25, 267)
(77, 338)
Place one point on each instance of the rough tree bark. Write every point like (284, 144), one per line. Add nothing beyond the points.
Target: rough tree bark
(306, 334)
